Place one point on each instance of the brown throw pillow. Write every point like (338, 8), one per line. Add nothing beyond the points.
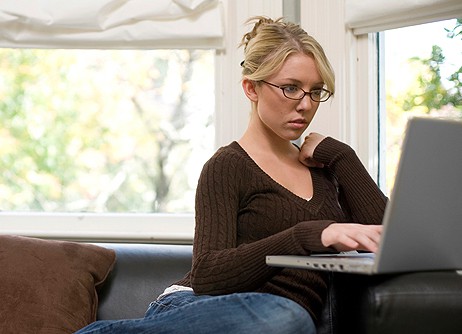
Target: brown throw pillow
(49, 286)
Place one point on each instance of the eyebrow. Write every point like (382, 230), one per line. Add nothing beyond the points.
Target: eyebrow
(298, 83)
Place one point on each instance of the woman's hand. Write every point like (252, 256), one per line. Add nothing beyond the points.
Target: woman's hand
(307, 150)
(348, 237)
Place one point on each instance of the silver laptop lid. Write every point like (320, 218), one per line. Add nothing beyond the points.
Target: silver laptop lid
(424, 215)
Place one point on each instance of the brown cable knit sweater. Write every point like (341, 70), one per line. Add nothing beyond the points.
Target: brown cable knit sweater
(242, 215)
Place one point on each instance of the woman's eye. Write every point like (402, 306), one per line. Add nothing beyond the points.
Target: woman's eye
(291, 89)
(317, 92)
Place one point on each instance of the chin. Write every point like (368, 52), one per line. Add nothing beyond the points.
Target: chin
(294, 138)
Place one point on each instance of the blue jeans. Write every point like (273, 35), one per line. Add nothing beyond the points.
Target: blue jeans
(184, 312)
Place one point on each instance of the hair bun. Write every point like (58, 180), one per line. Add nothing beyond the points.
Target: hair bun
(258, 22)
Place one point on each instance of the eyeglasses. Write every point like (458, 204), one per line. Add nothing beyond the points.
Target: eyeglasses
(296, 93)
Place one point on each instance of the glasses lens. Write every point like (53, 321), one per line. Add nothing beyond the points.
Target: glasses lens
(320, 95)
(293, 92)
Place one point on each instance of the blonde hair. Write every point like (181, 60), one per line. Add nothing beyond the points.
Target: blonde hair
(270, 42)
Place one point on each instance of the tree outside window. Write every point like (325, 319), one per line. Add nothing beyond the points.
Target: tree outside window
(104, 131)
(433, 87)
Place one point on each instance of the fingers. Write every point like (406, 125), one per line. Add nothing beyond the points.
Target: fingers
(346, 237)
(368, 241)
(346, 243)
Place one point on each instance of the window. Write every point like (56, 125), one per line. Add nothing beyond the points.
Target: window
(187, 25)
(65, 153)
(423, 77)
(347, 32)
(104, 130)
(365, 66)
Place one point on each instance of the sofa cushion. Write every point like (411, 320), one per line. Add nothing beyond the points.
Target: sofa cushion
(49, 286)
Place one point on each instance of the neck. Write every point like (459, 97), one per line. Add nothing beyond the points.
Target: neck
(258, 141)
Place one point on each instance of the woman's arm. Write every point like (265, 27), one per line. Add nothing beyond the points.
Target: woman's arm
(365, 200)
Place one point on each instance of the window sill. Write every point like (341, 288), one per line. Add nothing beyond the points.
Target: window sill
(143, 228)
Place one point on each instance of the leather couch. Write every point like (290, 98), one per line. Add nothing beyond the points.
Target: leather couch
(424, 302)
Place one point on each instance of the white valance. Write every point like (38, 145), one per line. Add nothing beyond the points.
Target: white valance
(364, 16)
(111, 24)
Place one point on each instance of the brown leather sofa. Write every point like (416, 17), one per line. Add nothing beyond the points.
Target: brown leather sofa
(425, 302)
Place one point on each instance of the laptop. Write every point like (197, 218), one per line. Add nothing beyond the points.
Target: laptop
(422, 225)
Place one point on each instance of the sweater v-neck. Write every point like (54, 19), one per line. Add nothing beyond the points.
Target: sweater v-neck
(316, 178)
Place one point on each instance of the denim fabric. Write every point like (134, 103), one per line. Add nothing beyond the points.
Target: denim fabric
(187, 313)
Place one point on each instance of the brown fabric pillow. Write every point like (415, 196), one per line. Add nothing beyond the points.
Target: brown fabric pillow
(49, 286)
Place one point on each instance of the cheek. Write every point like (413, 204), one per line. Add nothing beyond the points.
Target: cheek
(272, 111)
(270, 106)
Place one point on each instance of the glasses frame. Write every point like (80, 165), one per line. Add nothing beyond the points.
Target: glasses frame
(329, 93)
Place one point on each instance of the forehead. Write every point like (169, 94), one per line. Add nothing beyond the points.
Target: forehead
(299, 67)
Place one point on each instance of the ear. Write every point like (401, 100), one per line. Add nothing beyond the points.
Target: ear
(249, 89)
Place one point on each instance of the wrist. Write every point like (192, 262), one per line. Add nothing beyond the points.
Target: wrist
(326, 238)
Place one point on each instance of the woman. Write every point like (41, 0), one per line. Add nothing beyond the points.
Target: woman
(263, 195)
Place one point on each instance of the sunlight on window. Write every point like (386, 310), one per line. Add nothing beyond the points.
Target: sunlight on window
(423, 77)
(104, 131)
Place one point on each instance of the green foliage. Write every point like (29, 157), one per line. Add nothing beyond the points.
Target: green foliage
(456, 31)
(435, 92)
(36, 133)
(103, 131)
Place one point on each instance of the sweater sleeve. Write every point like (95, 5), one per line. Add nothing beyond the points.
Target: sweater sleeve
(221, 266)
(366, 202)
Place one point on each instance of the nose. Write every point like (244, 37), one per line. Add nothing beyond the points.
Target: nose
(305, 104)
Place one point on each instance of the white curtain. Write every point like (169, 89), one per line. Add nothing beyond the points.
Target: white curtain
(364, 16)
(111, 24)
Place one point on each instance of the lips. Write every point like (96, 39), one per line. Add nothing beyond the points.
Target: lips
(298, 123)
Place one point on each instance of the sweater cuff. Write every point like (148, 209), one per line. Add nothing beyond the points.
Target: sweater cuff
(307, 236)
(329, 150)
